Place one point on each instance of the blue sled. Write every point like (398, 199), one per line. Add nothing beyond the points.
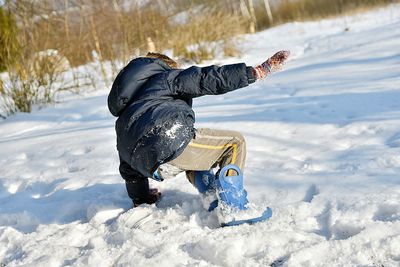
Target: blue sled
(264, 217)
(232, 193)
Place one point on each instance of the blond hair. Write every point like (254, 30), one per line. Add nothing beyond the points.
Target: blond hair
(170, 62)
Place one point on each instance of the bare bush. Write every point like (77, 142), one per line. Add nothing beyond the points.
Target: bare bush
(300, 10)
(36, 81)
(108, 33)
(9, 45)
(201, 37)
(36, 74)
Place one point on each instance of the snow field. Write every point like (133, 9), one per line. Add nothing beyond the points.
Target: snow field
(323, 141)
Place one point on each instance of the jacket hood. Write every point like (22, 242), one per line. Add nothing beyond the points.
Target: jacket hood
(129, 81)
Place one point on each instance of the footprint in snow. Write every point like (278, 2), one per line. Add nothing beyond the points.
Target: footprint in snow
(81, 151)
(312, 191)
(387, 213)
(342, 231)
(394, 141)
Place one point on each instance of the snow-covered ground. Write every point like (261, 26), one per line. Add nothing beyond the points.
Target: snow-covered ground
(323, 152)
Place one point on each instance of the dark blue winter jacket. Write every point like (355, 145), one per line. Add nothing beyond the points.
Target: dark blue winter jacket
(153, 104)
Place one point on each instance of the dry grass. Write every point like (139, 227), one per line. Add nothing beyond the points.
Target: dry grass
(301, 10)
(8, 41)
(201, 38)
(36, 81)
(99, 31)
(84, 31)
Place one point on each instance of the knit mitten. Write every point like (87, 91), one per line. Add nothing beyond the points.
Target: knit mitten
(272, 65)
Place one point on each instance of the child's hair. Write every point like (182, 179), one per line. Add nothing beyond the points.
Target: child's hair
(170, 62)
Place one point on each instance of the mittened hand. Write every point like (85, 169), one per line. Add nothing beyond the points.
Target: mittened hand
(277, 61)
(272, 64)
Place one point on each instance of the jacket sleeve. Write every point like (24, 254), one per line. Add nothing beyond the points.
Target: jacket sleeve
(211, 80)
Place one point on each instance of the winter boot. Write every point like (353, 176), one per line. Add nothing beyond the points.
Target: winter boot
(140, 193)
(233, 208)
(153, 197)
(204, 181)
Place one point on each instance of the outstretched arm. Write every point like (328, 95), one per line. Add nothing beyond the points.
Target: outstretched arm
(215, 80)
(211, 80)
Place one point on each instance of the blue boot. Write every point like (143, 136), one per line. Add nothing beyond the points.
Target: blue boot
(204, 181)
(233, 196)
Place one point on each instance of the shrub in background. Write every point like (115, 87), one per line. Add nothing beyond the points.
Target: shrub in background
(110, 33)
(201, 38)
(8, 39)
(300, 10)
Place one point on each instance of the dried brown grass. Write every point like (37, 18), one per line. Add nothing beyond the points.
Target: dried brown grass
(301, 10)
(201, 38)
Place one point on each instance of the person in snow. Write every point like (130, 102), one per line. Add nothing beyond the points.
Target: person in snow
(152, 98)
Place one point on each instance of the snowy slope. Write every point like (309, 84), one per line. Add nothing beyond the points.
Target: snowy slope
(323, 152)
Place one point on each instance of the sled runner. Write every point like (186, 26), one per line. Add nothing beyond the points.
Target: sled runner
(264, 217)
(225, 192)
